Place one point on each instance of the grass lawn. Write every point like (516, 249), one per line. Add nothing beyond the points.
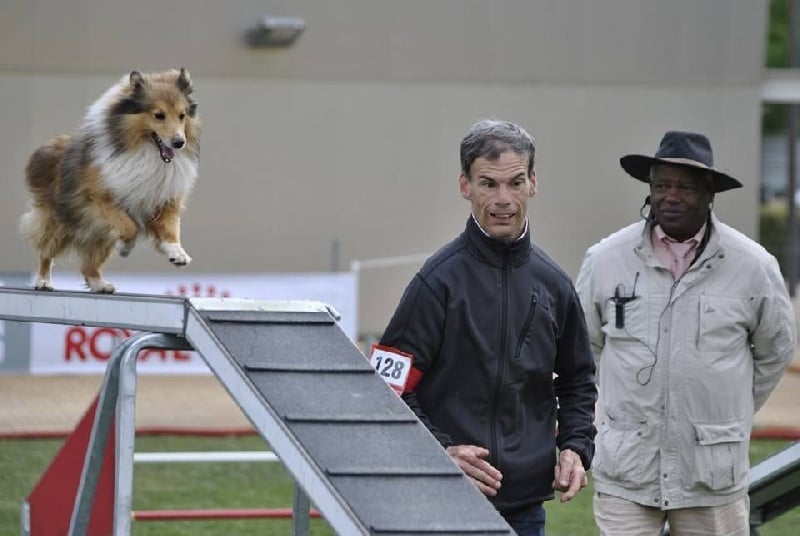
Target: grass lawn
(249, 485)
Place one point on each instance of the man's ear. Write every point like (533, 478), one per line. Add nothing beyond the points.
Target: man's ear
(533, 184)
(465, 187)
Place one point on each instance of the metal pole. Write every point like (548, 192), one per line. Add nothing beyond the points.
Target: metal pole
(300, 512)
(791, 134)
(126, 420)
(25, 519)
(336, 249)
(107, 406)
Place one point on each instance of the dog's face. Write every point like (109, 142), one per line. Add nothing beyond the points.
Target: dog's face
(158, 109)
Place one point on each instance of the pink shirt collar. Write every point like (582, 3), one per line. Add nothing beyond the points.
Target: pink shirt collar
(677, 256)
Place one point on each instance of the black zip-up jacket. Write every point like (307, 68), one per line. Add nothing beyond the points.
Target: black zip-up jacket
(489, 324)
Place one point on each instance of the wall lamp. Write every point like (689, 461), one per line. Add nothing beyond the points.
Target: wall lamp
(275, 32)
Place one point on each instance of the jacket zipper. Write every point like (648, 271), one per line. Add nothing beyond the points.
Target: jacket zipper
(499, 369)
(526, 326)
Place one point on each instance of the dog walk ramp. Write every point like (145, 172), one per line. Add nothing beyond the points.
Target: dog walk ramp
(352, 445)
(360, 454)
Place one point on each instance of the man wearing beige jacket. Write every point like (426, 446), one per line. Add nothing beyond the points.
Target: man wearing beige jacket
(691, 325)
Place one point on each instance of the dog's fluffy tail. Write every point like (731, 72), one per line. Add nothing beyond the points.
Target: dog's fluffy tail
(42, 171)
(39, 225)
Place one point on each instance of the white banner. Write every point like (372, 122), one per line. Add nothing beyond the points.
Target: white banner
(57, 349)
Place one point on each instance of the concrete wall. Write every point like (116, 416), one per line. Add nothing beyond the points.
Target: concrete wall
(345, 146)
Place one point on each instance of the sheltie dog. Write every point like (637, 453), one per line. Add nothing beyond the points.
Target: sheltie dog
(127, 171)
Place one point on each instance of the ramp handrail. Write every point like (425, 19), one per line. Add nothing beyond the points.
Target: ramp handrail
(774, 485)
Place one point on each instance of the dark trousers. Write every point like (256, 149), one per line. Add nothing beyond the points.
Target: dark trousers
(526, 521)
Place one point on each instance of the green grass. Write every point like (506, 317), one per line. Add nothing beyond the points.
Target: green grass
(250, 485)
(169, 486)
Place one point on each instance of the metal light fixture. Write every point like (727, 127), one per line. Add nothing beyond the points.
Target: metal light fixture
(275, 32)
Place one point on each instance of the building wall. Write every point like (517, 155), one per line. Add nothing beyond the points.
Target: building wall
(345, 146)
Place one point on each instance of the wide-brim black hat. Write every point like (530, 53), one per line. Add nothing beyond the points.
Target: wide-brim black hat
(684, 149)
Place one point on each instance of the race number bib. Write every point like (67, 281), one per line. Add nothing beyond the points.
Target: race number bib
(392, 365)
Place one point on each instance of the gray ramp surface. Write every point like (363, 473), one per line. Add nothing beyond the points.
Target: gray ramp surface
(357, 450)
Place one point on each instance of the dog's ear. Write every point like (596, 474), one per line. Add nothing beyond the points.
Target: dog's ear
(137, 81)
(184, 82)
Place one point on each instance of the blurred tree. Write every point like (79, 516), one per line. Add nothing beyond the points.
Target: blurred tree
(778, 36)
(774, 115)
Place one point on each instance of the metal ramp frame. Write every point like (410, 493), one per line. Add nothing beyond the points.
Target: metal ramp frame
(774, 486)
(356, 450)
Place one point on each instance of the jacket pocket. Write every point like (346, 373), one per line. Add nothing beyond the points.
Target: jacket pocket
(623, 452)
(535, 344)
(634, 321)
(720, 457)
(723, 322)
(526, 326)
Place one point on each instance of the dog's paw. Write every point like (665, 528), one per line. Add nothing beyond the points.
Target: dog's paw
(181, 259)
(176, 254)
(124, 248)
(43, 284)
(101, 286)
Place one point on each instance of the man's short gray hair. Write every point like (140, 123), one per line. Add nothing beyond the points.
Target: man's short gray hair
(489, 138)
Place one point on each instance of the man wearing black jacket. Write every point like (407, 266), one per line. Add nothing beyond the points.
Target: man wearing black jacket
(502, 371)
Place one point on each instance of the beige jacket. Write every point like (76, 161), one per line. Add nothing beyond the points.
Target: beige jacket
(683, 373)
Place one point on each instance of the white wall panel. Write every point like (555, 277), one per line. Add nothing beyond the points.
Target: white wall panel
(351, 137)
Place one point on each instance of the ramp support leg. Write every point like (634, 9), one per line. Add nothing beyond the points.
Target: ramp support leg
(301, 512)
(120, 376)
(25, 519)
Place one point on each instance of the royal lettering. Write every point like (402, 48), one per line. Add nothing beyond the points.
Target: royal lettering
(97, 344)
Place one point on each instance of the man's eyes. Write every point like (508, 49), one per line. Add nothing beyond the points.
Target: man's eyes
(515, 184)
(686, 188)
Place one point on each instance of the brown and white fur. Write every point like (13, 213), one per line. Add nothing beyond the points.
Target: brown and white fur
(127, 171)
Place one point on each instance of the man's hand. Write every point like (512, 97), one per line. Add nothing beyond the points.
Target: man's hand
(471, 460)
(570, 475)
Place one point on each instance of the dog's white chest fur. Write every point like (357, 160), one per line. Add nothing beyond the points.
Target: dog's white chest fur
(142, 183)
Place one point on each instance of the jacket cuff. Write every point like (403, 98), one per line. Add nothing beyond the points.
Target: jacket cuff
(583, 453)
